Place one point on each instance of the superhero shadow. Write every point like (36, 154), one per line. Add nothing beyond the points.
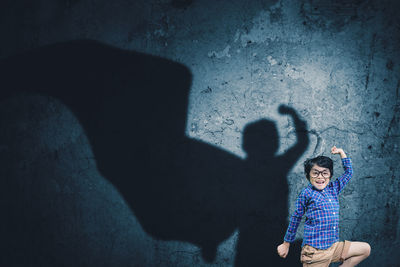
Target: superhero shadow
(133, 108)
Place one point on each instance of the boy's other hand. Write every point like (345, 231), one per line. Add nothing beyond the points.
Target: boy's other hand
(283, 249)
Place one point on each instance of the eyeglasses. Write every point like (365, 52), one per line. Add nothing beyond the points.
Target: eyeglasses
(325, 174)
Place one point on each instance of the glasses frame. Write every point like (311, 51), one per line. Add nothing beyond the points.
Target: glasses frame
(320, 172)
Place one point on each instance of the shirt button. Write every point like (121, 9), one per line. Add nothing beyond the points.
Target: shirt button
(334, 213)
(334, 227)
(330, 200)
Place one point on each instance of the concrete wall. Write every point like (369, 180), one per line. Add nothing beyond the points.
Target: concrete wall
(155, 139)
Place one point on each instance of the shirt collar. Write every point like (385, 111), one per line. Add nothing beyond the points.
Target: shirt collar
(313, 188)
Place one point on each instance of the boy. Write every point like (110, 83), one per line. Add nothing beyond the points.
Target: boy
(320, 203)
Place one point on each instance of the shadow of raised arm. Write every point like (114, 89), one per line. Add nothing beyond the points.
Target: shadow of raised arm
(294, 153)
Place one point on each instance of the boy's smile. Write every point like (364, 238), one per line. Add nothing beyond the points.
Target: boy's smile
(319, 177)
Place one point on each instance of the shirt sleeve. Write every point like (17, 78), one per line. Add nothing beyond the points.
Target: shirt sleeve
(342, 181)
(296, 217)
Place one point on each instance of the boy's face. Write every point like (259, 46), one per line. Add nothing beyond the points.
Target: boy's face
(319, 177)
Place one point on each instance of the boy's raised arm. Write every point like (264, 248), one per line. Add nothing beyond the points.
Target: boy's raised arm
(342, 181)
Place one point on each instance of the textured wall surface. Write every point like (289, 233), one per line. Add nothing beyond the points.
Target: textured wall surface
(156, 139)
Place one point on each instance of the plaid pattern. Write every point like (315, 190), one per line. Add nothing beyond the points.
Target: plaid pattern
(321, 228)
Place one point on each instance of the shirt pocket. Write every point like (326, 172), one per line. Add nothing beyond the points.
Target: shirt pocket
(311, 221)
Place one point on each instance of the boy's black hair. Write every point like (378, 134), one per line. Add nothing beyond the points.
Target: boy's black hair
(321, 161)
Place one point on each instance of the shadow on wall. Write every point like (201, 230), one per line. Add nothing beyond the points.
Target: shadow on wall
(133, 108)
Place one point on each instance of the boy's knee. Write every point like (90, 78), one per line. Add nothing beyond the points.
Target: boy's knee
(367, 249)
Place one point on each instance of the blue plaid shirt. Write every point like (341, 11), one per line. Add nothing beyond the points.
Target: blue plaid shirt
(321, 207)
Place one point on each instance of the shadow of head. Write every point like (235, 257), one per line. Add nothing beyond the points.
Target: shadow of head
(260, 139)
